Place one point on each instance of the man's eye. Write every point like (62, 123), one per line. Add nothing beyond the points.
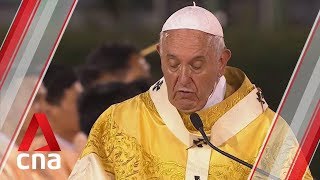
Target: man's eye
(173, 63)
(197, 65)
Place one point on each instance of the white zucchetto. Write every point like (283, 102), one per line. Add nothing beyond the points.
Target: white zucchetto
(196, 18)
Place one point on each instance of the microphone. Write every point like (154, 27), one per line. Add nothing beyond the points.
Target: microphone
(197, 123)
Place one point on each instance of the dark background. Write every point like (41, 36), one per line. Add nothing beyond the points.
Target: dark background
(266, 37)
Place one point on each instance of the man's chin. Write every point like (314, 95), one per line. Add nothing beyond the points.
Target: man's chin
(186, 108)
(187, 111)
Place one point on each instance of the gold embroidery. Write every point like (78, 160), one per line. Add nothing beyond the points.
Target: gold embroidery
(280, 151)
(145, 97)
(100, 142)
(230, 170)
(121, 155)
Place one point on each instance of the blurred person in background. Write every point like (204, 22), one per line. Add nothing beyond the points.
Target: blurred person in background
(63, 90)
(68, 156)
(113, 63)
(107, 66)
(97, 99)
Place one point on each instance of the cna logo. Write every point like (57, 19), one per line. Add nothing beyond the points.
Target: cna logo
(39, 120)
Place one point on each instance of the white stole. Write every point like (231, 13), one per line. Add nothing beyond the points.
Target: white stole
(233, 121)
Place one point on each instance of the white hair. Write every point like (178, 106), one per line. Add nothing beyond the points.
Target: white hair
(218, 45)
(216, 42)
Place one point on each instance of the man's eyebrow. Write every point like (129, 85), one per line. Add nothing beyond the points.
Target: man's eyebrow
(171, 56)
(199, 58)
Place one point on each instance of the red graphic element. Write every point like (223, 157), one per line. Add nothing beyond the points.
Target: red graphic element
(39, 120)
(281, 105)
(308, 146)
(14, 38)
(12, 140)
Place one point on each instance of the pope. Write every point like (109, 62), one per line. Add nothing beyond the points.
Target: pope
(151, 136)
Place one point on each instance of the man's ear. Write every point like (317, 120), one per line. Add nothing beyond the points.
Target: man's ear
(158, 48)
(224, 58)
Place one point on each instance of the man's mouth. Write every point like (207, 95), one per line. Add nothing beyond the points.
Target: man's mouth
(185, 94)
(185, 91)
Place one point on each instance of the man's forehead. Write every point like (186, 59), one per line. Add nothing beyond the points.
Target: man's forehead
(186, 37)
(186, 32)
(188, 48)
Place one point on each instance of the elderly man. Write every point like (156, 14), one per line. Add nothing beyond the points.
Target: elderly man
(151, 136)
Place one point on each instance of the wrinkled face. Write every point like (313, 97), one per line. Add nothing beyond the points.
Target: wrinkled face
(191, 67)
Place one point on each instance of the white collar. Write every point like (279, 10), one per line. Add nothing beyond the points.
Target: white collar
(217, 94)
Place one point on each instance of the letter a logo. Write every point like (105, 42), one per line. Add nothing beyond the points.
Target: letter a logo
(39, 120)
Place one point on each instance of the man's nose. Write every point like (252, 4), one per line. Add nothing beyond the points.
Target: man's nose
(185, 76)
